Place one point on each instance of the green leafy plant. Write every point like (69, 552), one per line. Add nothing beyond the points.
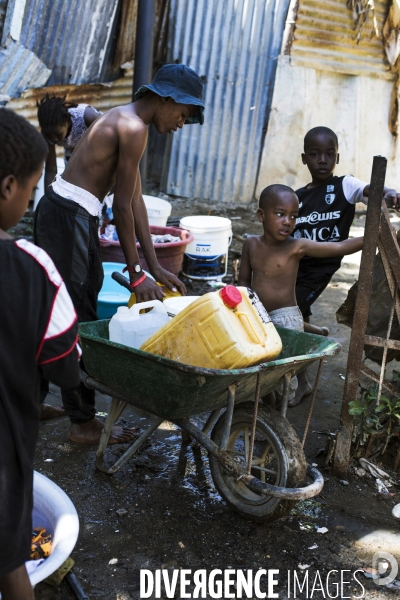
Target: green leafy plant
(371, 418)
(366, 419)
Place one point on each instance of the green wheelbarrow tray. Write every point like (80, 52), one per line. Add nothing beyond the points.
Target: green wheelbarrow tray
(173, 390)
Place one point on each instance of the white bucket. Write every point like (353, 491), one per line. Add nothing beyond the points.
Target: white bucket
(158, 210)
(207, 256)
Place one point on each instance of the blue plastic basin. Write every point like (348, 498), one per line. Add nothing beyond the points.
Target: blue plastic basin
(111, 294)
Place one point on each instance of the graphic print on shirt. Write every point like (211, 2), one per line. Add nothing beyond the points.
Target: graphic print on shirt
(324, 216)
(329, 198)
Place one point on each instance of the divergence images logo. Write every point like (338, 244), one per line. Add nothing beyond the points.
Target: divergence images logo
(382, 561)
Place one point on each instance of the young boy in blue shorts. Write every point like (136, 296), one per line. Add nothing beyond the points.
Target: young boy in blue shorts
(326, 212)
(38, 336)
(270, 261)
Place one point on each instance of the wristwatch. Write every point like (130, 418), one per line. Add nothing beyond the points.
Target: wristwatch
(135, 269)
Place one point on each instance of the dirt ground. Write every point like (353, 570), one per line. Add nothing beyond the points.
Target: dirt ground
(169, 520)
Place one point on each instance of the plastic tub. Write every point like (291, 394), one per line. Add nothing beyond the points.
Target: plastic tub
(53, 509)
(207, 256)
(169, 255)
(158, 210)
(112, 295)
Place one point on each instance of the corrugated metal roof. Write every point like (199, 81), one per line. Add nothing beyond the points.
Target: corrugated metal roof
(102, 96)
(234, 45)
(325, 39)
(20, 69)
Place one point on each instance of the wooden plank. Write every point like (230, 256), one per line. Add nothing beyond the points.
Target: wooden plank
(372, 340)
(389, 243)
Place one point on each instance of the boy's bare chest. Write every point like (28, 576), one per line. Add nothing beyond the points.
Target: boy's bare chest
(272, 262)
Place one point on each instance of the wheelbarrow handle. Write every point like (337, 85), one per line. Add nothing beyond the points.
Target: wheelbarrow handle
(121, 280)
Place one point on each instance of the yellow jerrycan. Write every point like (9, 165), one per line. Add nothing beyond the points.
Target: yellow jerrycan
(168, 294)
(229, 329)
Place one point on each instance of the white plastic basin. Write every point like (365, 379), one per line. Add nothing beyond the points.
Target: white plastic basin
(53, 509)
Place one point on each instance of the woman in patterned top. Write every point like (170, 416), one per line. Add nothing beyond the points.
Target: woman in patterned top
(62, 123)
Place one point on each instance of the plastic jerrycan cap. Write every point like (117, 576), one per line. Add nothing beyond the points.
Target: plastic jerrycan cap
(231, 296)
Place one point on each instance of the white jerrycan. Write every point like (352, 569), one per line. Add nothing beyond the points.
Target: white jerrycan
(132, 328)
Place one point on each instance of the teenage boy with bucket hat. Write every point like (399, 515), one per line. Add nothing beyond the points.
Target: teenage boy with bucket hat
(67, 217)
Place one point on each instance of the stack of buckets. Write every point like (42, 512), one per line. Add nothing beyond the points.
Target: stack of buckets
(207, 256)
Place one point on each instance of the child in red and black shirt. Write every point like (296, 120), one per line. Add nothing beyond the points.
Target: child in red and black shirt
(38, 336)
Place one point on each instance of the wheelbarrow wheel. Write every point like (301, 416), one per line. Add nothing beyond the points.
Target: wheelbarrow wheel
(278, 459)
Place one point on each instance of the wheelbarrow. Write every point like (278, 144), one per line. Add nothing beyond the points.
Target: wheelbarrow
(256, 459)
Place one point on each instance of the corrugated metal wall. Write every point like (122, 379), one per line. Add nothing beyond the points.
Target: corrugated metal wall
(75, 39)
(233, 45)
(324, 39)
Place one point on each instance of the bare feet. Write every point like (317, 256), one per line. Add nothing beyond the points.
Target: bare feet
(51, 412)
(89, 433)
(303, 389)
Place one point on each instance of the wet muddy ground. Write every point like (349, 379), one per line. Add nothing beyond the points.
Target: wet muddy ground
(150, 516)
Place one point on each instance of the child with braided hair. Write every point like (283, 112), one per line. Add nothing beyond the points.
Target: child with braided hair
(63, 124)
(38, 337)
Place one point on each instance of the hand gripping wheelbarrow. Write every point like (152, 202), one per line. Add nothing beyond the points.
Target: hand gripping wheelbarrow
(256, 459)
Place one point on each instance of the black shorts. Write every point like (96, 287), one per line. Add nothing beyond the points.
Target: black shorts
(309, 286)
(69, 234)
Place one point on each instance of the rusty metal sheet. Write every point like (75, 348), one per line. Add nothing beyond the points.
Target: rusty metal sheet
(325, 39)
(125, 50)
(102, 96)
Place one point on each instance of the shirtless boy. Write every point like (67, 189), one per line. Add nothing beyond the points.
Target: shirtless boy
(270, 261)
(67, 217)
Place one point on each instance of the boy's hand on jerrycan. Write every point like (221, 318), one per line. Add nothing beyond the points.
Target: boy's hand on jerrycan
(169, 280)
(150, 290)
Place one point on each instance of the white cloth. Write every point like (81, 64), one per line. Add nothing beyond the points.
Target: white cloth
(291, 318)
(76, 194)
(353, 189)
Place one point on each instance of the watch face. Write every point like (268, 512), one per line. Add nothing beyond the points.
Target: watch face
(137, 268)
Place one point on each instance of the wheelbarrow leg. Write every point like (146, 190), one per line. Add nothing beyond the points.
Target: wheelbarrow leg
(116, 410)
(314, 396)
(286, 393)
(228, 416)
(182, 460)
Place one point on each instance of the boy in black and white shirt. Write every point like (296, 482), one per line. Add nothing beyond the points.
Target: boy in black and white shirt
(326, 212)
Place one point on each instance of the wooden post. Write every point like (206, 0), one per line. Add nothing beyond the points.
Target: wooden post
(371, 236)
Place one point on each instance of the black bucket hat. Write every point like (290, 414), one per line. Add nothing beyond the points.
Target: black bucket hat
(180, 83)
